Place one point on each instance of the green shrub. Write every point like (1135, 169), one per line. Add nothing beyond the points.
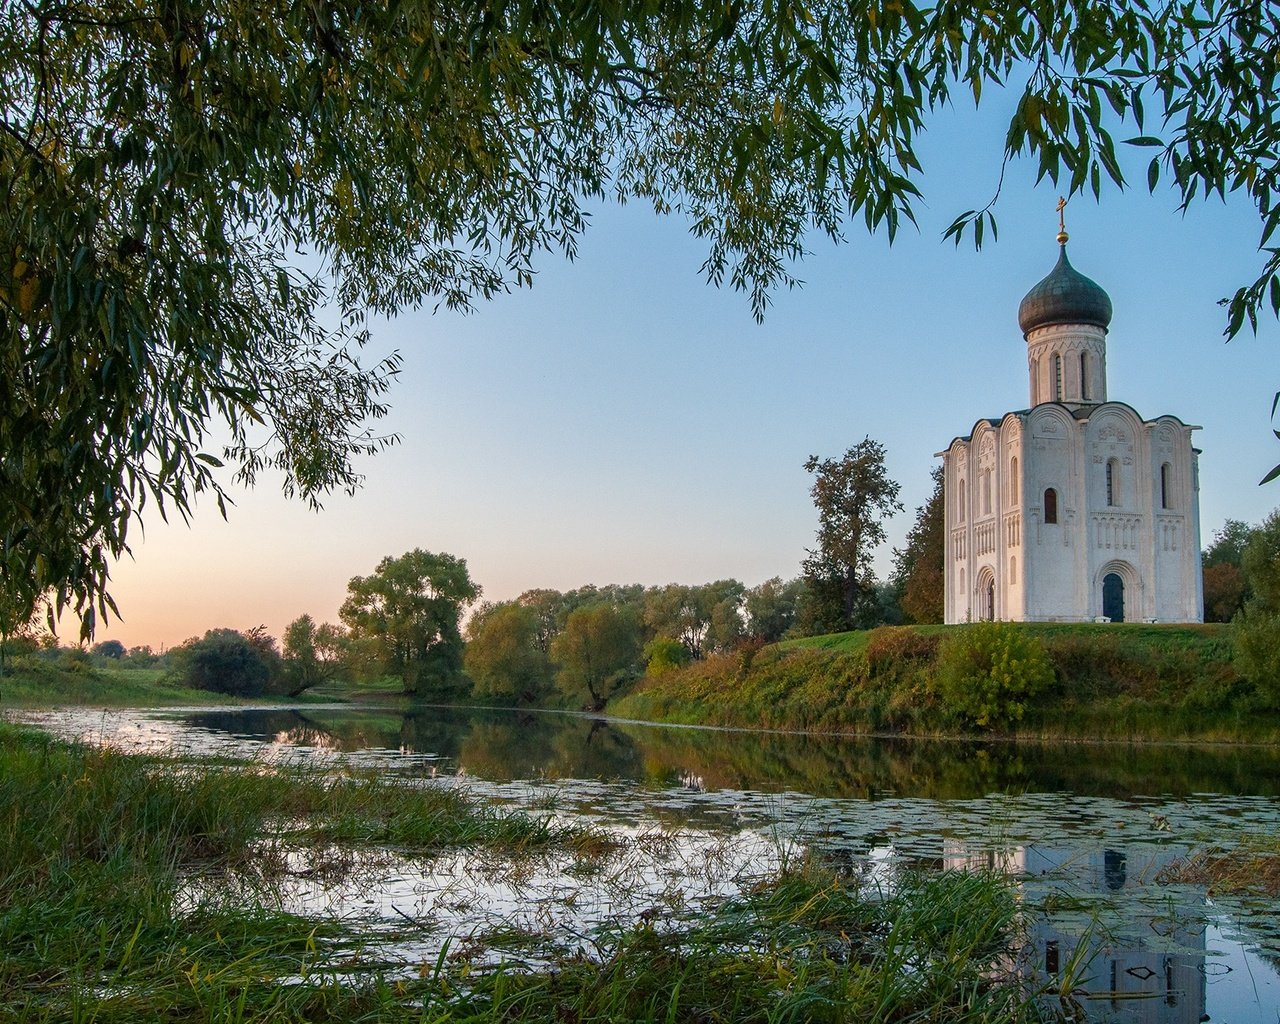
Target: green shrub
(662, 654)
(224, 661)
(988, 672)
(75, 659)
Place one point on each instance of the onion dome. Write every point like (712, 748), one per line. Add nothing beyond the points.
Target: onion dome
(1066, 296)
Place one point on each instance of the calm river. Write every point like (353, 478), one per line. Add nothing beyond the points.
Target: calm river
(1089, 831)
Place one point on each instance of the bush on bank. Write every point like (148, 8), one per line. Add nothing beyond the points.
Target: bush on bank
(1104, 681)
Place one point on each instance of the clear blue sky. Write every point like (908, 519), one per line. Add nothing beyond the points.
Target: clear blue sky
(623, 421)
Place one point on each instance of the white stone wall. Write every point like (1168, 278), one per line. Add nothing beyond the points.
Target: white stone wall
(1144, 528)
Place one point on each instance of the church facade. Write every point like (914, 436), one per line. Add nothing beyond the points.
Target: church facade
(1077, 508)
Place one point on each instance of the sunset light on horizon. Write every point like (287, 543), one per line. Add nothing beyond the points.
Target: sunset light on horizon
(623, 421)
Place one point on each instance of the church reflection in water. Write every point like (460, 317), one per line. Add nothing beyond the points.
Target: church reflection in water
(1150, 969)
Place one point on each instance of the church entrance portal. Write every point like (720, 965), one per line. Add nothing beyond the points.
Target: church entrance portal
(1113, 597)
(986, 596)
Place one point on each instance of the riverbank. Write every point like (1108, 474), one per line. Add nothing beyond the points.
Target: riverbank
(85, 686)
(1109, 682)
(151, 888)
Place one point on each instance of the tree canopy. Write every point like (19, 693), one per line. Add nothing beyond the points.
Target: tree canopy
(918, 567)
(204, 200)
(596, 653)
(852, 494)
(503, 655)
(407, 614)
(226, 661)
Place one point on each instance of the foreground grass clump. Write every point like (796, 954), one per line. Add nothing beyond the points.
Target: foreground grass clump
(1123, 681)
(804, 947)
(99, 918)
(1250, 869)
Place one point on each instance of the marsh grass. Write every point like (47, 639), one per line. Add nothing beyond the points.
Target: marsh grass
(140, 889)
(112, 905)
(805, 946)
(1250, 868)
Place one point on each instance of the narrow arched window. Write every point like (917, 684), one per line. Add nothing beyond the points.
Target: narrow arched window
(1084, 376)
(986, 492)
(1165, 485)
(1050, 505)
(1013, 569)
(960, 510)
(1057, 378)
(1013, 480)
(1113, 483)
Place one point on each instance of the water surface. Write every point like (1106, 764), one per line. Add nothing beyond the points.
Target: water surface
(1090, 831)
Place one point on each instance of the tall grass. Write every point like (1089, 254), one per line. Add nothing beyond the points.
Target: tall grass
(806, 947)
(98, 919)
(35, 683)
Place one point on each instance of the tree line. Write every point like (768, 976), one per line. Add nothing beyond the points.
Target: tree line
(579, 648)
(582, 647)
(408, 619)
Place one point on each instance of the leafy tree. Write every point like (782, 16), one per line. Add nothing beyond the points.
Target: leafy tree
(312, 654)
(1228, 544)
(918, 568)
(771, 608)
(1260, 562)
(18, 629)
(1225, 591)
(141, 656)
(703, 618)
(1256, 631)
(596, 653)
(550, 608)
(1226, 585)
(112, 649)
(225, 661)
(164, 164)
(504, 656)
(408, 613)
(727, 627)
(851, 495)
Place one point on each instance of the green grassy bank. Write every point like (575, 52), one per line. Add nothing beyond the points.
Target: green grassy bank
(52, 685)
(1130, 682)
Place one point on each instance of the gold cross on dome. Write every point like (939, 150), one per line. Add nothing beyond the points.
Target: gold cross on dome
(1062, 227)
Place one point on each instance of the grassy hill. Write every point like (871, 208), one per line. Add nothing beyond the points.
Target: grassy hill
(1121, 681)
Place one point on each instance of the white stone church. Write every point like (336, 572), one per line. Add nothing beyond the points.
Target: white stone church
(1077, 508)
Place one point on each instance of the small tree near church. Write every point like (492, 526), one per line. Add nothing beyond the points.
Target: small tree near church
(853, 495)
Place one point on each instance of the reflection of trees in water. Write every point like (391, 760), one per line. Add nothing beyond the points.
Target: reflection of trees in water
(529, 745)
(507, 744)
(256, 725)
(826, 766)
(948, 770)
